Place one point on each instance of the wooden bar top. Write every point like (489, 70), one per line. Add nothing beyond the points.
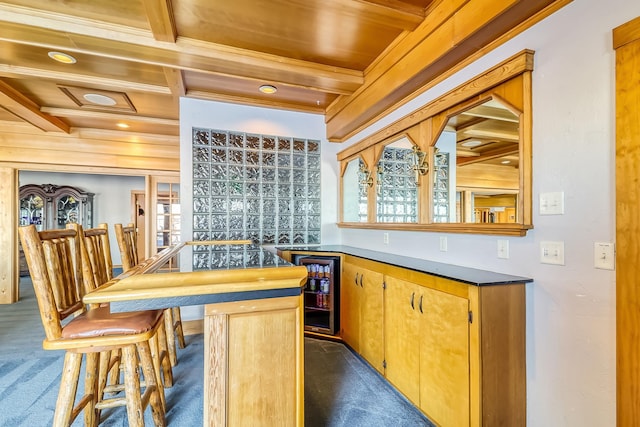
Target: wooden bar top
(263, 276)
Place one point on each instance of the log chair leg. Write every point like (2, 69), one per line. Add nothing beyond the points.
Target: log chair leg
(153, 384)
(68, 389)
(91, 390)
(177, 318)
(135, 412)
(156, 357)
(163, 351)
(171, 337)
(114, 367)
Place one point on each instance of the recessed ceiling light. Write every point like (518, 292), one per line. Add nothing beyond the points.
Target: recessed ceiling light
(505, 162)
(268, 89)
(123, 125)
(96, 98)
(65, 58)
(471, 143)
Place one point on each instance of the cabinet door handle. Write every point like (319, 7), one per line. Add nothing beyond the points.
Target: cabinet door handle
(361, 280)
(356, 281)
(420, 304)
(413, 296)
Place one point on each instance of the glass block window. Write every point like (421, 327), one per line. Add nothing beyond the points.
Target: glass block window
(397, 199)
(441, 204)
(258, 187)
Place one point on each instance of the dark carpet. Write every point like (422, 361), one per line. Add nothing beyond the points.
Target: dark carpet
(340, 388)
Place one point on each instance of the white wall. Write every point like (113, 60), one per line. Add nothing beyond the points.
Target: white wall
(570, 308)
(112, 200)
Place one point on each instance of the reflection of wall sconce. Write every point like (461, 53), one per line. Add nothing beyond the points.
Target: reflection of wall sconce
(366, 178)
(419, 163)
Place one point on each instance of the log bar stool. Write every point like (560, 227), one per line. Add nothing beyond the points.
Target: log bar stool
(127, 243)
(53, 258)
(97, 269)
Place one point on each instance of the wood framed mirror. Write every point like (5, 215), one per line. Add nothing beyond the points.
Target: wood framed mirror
(477, 160)
(477, 170)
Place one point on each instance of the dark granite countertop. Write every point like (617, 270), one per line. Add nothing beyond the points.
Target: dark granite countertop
(471, 276)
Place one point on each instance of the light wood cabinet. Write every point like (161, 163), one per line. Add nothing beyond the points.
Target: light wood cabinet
(427, 349)
(362, 311)
(457, 351)
(444, 357)
(402, 337)
(350, 307)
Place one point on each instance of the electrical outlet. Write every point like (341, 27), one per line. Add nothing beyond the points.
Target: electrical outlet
(443, 243)
(503, 249)
(385, 238)
(604, 256)
(552, 253)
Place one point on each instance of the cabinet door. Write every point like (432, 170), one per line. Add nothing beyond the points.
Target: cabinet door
(444, 358)
(371, 317)
(402, 337)
(350, 306)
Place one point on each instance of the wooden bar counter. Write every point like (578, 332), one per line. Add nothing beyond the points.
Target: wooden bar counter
(253, 325)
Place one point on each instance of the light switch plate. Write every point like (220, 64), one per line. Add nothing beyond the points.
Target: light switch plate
(443, 243)
(552, 203)
(604, 256)
(503, 249)
(552, 253)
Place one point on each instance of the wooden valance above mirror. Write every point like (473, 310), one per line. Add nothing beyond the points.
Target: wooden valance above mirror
(460, 164)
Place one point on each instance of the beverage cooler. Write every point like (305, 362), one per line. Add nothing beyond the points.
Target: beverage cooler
(321, 293)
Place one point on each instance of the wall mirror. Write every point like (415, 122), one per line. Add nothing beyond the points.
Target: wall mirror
(356, 181)
(477, 158)
(459, 164)
(396, 183)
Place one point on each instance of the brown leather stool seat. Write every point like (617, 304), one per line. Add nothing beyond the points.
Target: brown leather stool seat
(99, 322)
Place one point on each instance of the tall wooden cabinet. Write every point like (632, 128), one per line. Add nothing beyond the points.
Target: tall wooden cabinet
(49, 206)
(52, 206)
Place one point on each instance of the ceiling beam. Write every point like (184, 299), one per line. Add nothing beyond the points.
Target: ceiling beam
(175, 81)
(21, 106)
(402, 9)
(69, 112)
(14, 71)
(161, 20)
(488, 155)
(232, 99)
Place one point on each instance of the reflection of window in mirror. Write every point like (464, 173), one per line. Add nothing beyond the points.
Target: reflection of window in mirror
(482, 143)
(354, 192)
(397, 192)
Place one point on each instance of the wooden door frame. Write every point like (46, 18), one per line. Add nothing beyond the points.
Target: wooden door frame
(626, 42)
(141, 226)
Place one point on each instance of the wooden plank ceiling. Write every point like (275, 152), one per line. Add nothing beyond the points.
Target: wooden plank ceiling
(349, 60)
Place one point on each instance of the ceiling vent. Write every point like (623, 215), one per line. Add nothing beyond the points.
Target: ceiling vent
(96, 99)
